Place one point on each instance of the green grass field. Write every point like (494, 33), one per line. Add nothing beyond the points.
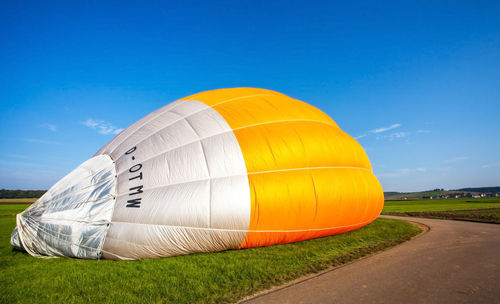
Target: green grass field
(441, 204)
(12, 209)
(478, 209)
(199, 278)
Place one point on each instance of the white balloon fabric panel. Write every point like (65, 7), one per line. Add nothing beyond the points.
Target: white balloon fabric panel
(182, 185)
(72, 218)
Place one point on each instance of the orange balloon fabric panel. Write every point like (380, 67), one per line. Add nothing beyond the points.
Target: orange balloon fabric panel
(307, 177)
(291, 206)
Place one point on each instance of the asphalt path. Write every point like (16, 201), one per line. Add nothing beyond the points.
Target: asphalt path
(453, 262)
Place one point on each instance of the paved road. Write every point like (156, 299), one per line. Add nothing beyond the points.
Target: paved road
(454, 262)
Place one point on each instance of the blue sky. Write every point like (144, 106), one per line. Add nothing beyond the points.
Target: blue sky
(417, 83)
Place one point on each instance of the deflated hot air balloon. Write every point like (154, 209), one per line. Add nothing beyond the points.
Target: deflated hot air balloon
(218, 170)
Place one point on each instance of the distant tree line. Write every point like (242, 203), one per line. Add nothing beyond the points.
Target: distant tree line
(5, 193)
(481, 189)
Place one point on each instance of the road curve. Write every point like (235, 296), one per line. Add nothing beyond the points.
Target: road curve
(454, 262)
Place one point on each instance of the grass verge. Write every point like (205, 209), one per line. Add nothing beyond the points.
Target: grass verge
(199, 278)
(487, 215)
(485, 210)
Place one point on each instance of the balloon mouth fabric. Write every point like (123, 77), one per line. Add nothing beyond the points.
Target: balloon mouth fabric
(218, 170)
(72, 218)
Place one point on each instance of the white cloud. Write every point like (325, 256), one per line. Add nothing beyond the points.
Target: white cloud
(384, 129)
(394, 135)
(91, 123)
(360, 136)
(102, 127)
(398, 135)
(49, 126)
(41, 141)
(402, 172)
(491, 165)
(456, 159)
(391, 136)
